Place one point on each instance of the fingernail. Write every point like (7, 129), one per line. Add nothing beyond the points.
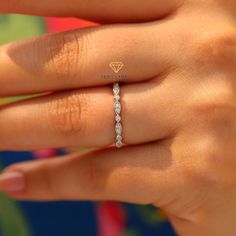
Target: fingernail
(12, 182)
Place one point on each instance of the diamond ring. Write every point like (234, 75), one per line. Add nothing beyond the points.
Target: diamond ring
(117, 109)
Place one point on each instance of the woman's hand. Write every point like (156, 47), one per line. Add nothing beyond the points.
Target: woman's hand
(178, 108)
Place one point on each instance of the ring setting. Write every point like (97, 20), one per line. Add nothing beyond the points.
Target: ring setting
(117, 109)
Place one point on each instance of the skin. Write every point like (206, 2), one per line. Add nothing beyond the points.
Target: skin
(178, 108)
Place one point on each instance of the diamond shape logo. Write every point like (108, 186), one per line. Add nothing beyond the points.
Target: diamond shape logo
(116, 66)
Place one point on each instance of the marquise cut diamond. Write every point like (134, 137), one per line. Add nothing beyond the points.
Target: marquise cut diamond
(118, 128)
(117, 107)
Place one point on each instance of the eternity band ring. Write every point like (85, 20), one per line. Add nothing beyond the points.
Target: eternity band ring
(117, 109)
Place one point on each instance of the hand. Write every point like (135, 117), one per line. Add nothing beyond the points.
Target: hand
(178, 108)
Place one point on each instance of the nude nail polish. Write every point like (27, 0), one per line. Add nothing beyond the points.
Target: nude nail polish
(12, 182)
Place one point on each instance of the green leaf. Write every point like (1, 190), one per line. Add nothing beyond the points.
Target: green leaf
(12, 221)
(15, 27)
(130, 232)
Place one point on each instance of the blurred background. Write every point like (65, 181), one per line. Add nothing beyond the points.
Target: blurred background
(66, 218)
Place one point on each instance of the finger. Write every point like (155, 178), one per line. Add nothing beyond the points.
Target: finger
(158, 173)
(102, 11)
(86, 118)
(82, 58)
(124, 175)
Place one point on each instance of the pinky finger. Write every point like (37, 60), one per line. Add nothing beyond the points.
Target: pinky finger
(107, 174)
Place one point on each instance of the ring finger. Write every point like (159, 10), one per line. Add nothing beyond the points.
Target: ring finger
(85, 117)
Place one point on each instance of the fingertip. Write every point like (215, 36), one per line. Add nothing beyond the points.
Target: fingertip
(12, 182)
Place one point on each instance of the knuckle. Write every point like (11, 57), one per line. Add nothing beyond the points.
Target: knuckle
(67, 114)
(215, 49)
(220, 161)
(93, 177)
(213, 164)
(63, 53)
(49, 186)
(47, 181)
(209, 150)
(212, 104)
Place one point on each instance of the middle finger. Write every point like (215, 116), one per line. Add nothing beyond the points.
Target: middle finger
(81, 58)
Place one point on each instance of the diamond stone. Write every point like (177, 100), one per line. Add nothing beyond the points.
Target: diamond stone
(118, 128)
(118, 144)
(117, 97)
(118, 137)
(118, 118)
(117, 107)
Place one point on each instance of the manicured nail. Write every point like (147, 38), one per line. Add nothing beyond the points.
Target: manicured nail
(12, 182)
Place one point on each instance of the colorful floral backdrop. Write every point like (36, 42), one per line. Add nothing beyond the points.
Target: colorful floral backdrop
(66, 218)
